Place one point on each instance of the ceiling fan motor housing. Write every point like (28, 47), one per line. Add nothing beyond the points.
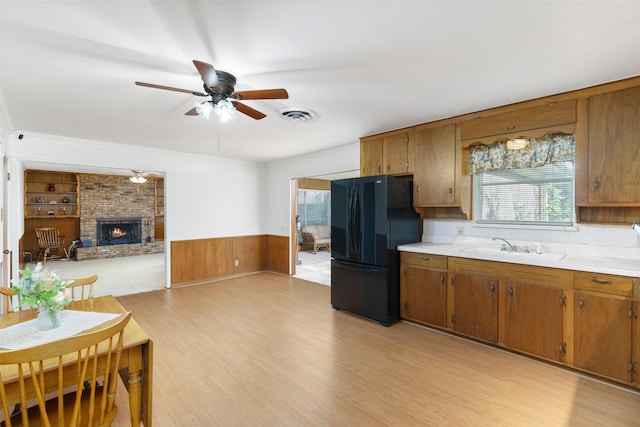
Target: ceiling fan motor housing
(227, 83)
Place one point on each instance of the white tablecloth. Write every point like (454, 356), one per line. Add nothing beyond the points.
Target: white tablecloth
(27, 334)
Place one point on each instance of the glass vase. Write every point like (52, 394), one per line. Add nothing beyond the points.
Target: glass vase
(48, 319)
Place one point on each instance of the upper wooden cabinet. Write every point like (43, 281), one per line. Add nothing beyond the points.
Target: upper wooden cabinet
(549, 113)
(371, 156)
(614, 147)
(388, 154)
(434, 175)
(51, 194)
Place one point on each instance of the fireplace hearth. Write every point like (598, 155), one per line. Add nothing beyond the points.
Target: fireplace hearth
(119, 231)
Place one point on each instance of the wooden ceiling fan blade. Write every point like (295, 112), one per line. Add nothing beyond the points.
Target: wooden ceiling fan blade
(261, 94)
(208, 74)
(191, 112)
(245, 109)
(174, 89)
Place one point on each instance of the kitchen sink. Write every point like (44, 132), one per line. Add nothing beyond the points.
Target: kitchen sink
(486, 250)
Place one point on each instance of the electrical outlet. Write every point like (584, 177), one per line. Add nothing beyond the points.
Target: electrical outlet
(237, 262)
(460, 230)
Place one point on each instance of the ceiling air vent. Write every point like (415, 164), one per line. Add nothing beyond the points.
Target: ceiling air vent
(296, 114)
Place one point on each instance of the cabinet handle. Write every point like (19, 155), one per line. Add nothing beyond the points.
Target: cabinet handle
(425, 258)
(601, 282)
(442, 279)
(492, 287)
(450, 190)
(563, 347)
(511, 291)
(596, 184)
(581, 304)
(510, 128)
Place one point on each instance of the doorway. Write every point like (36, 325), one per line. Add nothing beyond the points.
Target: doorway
(311, 204)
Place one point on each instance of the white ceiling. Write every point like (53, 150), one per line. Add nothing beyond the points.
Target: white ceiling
(68, 67)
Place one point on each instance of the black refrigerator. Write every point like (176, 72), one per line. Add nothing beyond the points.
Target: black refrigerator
(370, 217)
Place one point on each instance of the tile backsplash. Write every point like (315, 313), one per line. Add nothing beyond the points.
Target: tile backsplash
(619, 241)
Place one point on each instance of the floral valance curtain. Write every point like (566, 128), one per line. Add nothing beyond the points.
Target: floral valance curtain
(539, 152)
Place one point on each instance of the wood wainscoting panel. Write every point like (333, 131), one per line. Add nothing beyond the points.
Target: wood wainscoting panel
(205, 259)
(278, 254)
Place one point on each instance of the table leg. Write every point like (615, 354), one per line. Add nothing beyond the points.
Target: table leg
(147, 383)
(135, 385)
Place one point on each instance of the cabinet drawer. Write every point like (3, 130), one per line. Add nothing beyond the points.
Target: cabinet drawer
(549, 114)
(606, 283)
(425, 260)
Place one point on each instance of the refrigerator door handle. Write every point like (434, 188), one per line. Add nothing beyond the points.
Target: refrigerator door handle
(354, 221)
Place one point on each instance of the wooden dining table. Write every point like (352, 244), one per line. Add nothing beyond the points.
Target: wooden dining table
(136, 362)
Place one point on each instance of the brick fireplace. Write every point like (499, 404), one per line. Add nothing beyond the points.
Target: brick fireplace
(118, 231)
(116, 217)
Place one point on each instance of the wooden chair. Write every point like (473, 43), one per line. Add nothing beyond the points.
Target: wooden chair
(8, 294)
(40, 372)
(49, 239)
(82, 286)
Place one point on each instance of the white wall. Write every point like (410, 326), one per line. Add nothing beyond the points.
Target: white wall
(205, 196)
(280, 174)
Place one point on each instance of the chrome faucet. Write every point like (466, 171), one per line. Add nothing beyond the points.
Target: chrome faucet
(512, 248)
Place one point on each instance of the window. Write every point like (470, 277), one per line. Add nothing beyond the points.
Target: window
(542, 195)
(314, 207)
(534, 185)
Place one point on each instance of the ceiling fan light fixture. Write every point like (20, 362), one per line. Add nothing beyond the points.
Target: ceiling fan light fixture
(225, 111)
(204, 110)
(137, 177)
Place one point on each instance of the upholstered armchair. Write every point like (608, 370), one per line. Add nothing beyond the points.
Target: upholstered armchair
(316, 237)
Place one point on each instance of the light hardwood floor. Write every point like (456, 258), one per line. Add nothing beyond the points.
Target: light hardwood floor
(267, 349)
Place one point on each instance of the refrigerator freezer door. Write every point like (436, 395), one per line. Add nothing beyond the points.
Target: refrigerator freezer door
(359, 220)
(364, 290)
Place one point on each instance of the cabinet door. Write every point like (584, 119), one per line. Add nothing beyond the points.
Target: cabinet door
(396, 153)
(602, 334)
(614, 148)
(475, 306)
(520, 120)
(371, 155)
(635, 341)
(434, 167)
(533, 320)
(424, 295)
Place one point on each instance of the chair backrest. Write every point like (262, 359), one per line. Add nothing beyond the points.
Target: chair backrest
(48, 236)
(82, 288)
(41, 371)
(9, 293)
(310, 229)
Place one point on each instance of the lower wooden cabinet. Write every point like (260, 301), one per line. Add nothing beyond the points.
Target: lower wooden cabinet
(423, 288)
(423, 296)
(534, 320)
(475, 306)
(582, 320)
(602, 326)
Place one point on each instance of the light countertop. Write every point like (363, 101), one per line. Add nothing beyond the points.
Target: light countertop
(568, 258)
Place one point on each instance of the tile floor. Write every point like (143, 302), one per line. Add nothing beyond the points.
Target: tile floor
(314, 268)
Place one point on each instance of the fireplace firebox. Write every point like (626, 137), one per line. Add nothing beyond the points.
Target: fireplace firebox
(119, 231)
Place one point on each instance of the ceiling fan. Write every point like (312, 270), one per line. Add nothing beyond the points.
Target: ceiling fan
(223, 99)
(140, 177)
